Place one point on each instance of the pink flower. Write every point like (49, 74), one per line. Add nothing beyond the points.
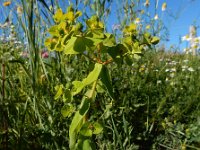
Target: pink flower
(45, 54)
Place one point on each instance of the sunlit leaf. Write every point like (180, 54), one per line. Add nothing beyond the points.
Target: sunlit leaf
(98, 128)
(67, 110)
(130, 29)
(58, 46)
(155, 40)
(94, 23)
(93, 76)
(109, 41)
(100, 87)
(86, 144)
(86, 130)
(77, 45)
(53, 44)
(78, 27)
(91, 94)
(54, 30)
(59, 89)
(94, 41)
(77, 122)
(69, 47)
(96, 34)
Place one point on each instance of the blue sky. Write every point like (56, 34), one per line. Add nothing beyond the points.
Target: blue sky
(179, 16)
(187, 13)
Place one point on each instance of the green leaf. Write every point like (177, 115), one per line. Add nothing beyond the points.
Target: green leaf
(98, 128)
(77, 27)
(109, 41)
(95, 41)
(59, 89)
(83, 42)
(130, 29)
(70, 8)
(77, 45)
(54, 30)
(155, 40)
(78, 14)
(100, 87)
(147, 35)
(86, 144)
(105, 79)
(69, 47)
(127, 44)
(93, 76)
(62, 29)
(86, 130)
(96, 34)
(129, 60)
(146, 39)
(67, 110)
(94, 23)
(117, 53)
(77, 122)
(67, 96)
(59, 46)
(51, 43)
(108, 111)
(77, 84)
(137, 48)
(91, 94)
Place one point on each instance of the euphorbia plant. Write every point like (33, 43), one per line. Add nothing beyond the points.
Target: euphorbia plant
(69, 37)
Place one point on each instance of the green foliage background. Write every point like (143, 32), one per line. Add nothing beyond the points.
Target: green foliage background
(154, 103)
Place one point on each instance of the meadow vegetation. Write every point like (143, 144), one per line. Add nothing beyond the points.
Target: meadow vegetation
(68, 83)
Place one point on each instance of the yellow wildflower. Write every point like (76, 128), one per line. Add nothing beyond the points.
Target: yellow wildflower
(142, 68)
(137, 20)
(164, 6)
(142, 12)
(19, 10)
(148, 27)
(147, 3)
(6, 3)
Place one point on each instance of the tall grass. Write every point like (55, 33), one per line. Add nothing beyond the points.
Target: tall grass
(155, 108)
